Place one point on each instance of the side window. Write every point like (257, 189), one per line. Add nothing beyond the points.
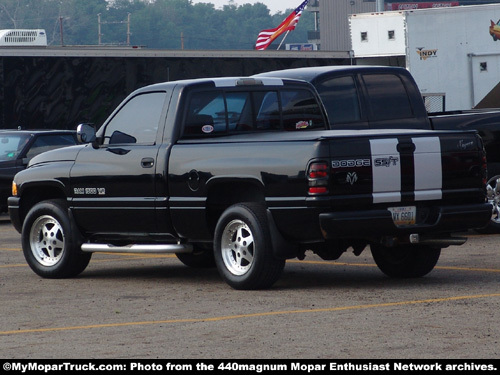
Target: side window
(137, 121)
(220, 112)
(49, 142)
(387, 97)
(206, 113)
(301, 110)
(341, 100)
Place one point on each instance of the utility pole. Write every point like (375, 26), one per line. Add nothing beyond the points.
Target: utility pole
(61, 30)
(128, 29)
(99, 28)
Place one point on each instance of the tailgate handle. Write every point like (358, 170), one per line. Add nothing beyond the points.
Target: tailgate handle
(406, 147)
(147, 162)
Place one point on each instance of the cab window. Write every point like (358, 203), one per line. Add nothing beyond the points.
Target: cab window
(221, 112)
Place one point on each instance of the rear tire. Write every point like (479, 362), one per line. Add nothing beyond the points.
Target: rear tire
(243, 248)
(405, 261)
(50, 245)
(493, 197)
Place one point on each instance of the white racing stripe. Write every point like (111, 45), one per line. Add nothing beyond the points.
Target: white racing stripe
(386, 170)
(428, 169)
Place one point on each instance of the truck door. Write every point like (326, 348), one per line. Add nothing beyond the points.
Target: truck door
(113, 187)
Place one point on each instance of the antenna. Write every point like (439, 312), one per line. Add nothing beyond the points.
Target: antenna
(99, 23)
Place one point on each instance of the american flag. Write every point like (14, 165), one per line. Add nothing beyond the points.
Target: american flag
(266, 37)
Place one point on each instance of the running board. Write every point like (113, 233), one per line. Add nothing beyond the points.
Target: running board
(149, 249)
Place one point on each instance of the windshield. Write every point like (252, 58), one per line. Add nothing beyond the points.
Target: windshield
(11, 146)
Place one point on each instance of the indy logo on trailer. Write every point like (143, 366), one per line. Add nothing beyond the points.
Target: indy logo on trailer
(426, 53)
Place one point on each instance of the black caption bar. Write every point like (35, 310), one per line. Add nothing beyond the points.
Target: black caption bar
(249, 366)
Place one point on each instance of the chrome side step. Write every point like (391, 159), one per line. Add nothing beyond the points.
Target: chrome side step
(148, 248)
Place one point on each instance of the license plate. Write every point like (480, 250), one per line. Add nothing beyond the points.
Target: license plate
(402, 216)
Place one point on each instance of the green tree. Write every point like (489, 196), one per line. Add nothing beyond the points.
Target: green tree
(170, 24)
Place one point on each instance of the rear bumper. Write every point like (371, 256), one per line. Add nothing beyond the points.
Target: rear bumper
(375, 223)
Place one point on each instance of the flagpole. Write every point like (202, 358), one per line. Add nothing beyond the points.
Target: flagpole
(282, 40)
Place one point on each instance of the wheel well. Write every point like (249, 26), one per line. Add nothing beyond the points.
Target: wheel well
(223, 195)
(36, 194)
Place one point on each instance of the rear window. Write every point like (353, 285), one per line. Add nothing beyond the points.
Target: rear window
(219, 112)
(340, 97)
(387, 97)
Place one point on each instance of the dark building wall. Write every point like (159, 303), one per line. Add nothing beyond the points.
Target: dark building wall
(60, 92)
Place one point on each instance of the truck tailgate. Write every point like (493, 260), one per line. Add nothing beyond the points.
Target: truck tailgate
(406, 168)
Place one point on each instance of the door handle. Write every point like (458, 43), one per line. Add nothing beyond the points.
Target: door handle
(147, 162)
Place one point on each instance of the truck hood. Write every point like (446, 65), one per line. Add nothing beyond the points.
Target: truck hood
(61, 154)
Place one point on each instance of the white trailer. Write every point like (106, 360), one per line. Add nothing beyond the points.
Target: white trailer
(23, 38)
(452, 52)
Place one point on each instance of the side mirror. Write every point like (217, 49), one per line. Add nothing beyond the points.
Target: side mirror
(85, 133)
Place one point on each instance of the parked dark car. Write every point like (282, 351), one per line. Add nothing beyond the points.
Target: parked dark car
(18, 147)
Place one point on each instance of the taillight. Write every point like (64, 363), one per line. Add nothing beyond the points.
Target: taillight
(317, 177)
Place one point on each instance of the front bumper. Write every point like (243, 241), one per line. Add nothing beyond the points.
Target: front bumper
(376, 223)
(15, 213)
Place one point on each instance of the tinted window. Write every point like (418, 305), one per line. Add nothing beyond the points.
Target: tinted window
(387, 97)
(340, 97)
(220, 112)
(137, 121)
(50, 142)
(268, 111)
(206, 113)
(301, 111)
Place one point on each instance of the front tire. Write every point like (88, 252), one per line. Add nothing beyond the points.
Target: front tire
(50, 245)
(243, 248)
(405, 261)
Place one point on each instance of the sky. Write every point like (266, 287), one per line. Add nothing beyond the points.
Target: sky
(273, 5)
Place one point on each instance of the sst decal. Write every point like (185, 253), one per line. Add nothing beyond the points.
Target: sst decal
(426, 53)
(386, 162)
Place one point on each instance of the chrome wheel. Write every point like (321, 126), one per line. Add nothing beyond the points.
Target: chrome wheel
(237, 247)
(47, 240)
(243, 248)
(493, 196)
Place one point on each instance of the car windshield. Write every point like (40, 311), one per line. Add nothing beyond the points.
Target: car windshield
(11, 145)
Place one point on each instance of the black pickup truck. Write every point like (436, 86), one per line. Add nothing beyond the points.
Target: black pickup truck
(242, 174)
(382, 97)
